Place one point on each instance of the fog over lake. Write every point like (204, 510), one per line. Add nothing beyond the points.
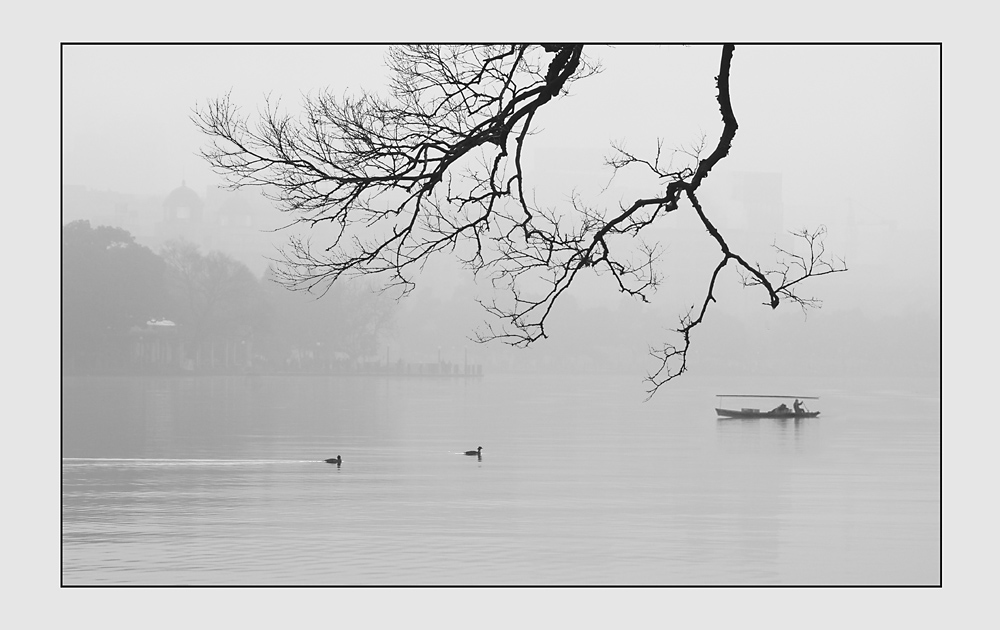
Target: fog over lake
(219, 480)
(200, 398)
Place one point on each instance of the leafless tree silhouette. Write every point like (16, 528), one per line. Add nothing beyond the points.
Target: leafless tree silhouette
(437, 166)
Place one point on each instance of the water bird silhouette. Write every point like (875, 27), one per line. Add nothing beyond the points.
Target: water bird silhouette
(478, 451)
(333, 461)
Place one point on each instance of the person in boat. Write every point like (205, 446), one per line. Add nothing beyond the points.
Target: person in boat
(797, 405)
(782, 408)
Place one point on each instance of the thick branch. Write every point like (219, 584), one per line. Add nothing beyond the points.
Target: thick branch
(437, 166)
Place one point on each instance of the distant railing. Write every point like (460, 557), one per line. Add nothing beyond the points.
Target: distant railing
(165, 354)
(398, 368)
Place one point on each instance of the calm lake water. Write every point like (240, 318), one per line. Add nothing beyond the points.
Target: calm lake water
(218, 481)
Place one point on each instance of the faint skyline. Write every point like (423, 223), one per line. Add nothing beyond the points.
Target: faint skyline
(850, 133)
(845, 121)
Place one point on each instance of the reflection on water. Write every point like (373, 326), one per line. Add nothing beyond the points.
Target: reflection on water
(224, 481)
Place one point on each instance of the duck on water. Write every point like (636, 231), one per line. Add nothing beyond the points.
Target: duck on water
(336, 461)
(478, 451)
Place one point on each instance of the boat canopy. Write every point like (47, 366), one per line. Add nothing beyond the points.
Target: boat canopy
(764, 396)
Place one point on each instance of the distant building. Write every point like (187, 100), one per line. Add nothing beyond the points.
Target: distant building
(162, 345)
(183, 216)
(183, 205)
(756, 203)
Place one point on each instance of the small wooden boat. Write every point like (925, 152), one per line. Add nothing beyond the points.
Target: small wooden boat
(780, 411)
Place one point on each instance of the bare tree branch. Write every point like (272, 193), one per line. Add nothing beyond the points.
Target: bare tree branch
(437, 166)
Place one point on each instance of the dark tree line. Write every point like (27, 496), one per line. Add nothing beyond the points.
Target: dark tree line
(118, 294)
(436, 166)
(109, 284)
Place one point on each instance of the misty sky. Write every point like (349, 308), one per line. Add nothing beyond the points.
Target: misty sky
(852, 130)
(838, 122)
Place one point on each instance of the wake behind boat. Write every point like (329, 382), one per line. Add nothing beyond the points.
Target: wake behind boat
(754, 409)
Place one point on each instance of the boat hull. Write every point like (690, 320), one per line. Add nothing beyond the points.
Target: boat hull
(735, 413)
